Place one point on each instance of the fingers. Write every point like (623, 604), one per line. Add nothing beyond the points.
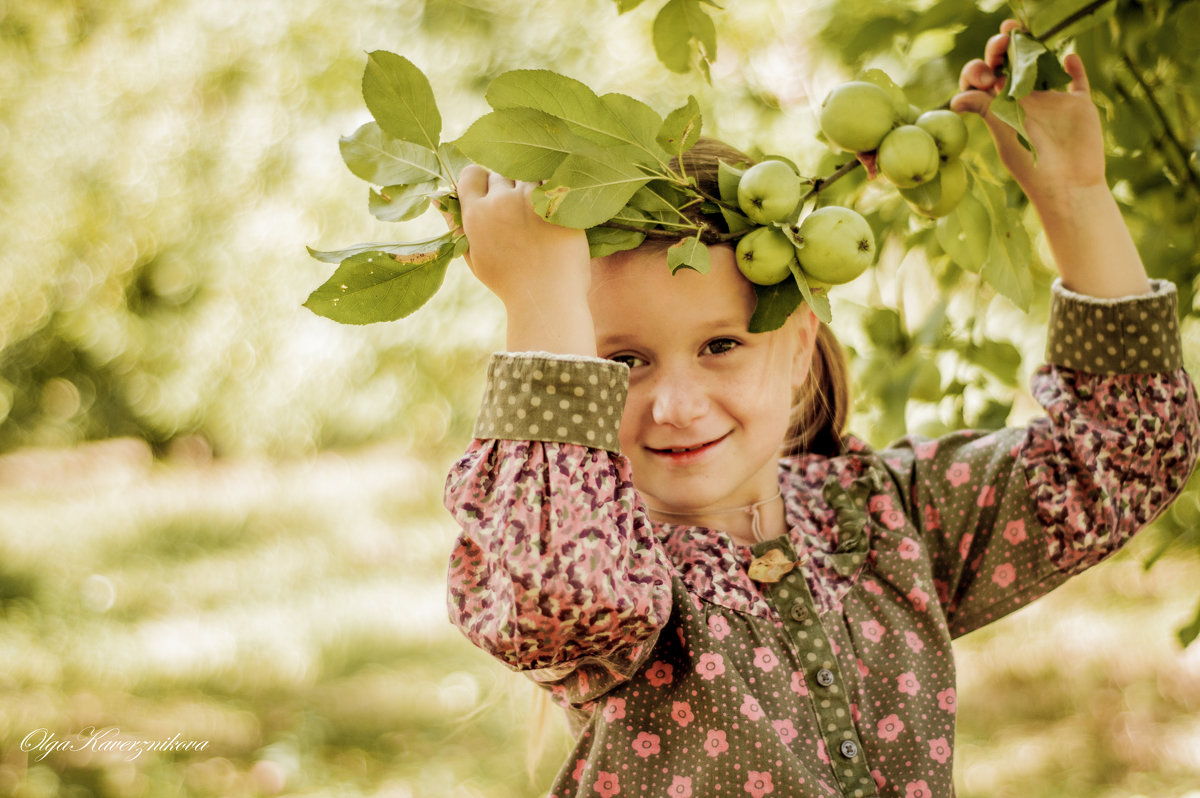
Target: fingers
(971, 101)
(1079, 80)
(996, 49)
(472, 182)
(499, 183)
(977, 75)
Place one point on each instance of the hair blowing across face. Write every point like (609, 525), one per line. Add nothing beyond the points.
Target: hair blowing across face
(820, 408)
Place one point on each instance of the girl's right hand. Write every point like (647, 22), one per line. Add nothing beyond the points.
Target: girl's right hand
(540, 271)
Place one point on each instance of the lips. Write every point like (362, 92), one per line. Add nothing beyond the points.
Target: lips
(686, 453)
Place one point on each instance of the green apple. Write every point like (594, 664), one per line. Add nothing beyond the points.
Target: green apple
(769, 192)
(764, 255)
(855, 116)
(835, 244)
(942, 194)
(908, 157)
(948, 129)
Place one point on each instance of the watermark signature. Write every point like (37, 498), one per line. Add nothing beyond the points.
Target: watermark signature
(45, 742)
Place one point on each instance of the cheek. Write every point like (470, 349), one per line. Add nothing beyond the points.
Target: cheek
(629, 421)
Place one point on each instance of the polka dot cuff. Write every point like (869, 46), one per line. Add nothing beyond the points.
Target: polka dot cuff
(538, 396)
(1129, 335)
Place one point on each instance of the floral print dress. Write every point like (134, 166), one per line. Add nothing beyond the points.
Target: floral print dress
(818, 663)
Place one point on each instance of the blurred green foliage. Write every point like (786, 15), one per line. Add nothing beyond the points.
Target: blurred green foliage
(163, 164)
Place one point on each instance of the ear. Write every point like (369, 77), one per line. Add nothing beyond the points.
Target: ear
(804, 325)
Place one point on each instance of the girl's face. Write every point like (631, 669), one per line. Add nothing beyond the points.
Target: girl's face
(709, 403)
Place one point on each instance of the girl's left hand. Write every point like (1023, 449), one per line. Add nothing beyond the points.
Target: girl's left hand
(1063, 126)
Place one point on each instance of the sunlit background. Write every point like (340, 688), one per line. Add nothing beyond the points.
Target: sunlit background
(220, 515)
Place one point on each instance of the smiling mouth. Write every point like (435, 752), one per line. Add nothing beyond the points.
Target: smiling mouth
(687, 449)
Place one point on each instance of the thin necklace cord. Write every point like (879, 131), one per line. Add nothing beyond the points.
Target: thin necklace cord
(749, 509)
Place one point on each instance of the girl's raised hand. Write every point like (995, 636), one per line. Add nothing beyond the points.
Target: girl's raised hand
(540, 271)
(1063, 126)
(513, 250)
(1092, 247)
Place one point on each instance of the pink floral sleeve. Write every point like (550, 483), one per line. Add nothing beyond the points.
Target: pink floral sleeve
(556, 571)
(1009, 515)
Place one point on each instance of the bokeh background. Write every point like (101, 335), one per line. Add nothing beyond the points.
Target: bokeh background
(220, 514)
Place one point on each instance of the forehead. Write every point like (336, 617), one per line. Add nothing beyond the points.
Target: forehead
(635, 291)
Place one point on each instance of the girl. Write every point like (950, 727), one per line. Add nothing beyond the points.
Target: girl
(720, 621)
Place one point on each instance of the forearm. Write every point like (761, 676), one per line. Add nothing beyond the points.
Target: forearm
(554, 319)
(1092, 247)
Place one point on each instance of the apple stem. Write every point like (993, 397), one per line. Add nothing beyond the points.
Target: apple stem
(821, 182)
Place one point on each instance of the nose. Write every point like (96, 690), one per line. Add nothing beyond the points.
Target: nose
(678, 400)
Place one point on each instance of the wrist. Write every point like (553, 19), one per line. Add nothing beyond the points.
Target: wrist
(1092, 248)
(1073, 203)
(552, 319)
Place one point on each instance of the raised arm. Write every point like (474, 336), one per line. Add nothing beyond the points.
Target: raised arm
(540, 271)
(556, 571)
(1092, 247)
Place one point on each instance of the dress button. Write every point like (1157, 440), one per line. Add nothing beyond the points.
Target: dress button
(824, 677)
(849, 749)
(799, 612)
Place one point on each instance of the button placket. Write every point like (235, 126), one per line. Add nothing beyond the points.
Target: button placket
(794, 602)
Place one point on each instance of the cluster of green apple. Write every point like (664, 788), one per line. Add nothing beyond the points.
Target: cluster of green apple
(917, 152)
(829, 246)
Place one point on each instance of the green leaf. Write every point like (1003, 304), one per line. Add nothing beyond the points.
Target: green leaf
(588, 190)
(690, 253)
(1189, 633)
(965, 233)
(932, 328)
(1009, 111)
(681, 129)
(400, 98)
(626, 5)
(453, 161)
(448, 203)
(885, 330)
(1023, 55)
(659, 196)
(1046, 16)
(677, 25)
(900, 103)
(378, 158)
(999, 357)
(401, 203)
(573, 102)
(773, 304)
(521, 143)
(604, 241)
(375, 286)
(400, 249)
(818, 302)
(1007, 267)
(1033, 67)
(993, 415)
(728, 177)
(640, 121)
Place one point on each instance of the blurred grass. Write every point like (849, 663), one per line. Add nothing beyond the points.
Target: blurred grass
(291, 614)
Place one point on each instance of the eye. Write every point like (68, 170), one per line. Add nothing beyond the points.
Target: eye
(628, 360)
(721, 346)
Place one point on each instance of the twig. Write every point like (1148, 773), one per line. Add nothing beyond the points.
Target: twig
(649, 232)
(823, 182)
(1071, 19)
(1180, 150)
